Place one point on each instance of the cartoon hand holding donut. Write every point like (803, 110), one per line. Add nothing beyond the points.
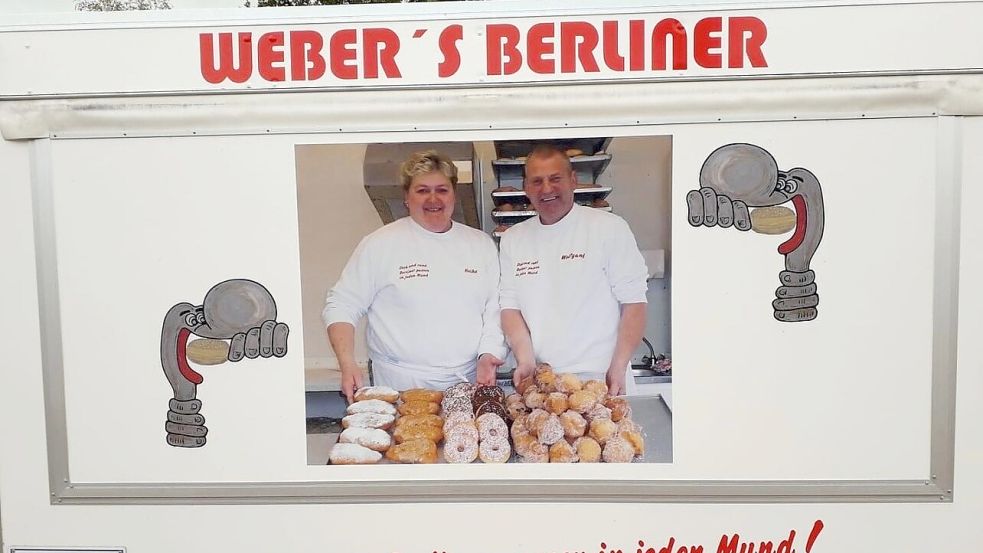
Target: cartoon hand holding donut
(742, 187)
(241, 311)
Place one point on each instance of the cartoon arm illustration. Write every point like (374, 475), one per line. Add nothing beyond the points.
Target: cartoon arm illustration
(737, 177)
(239, 310)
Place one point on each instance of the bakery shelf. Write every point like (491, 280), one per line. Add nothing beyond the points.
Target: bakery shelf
(515, 216)
(518, 148)
(509, 171)
(580, 194)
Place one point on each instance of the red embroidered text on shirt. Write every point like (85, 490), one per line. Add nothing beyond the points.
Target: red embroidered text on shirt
(415, 270)
(524, 268)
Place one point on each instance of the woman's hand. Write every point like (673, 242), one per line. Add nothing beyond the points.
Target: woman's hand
(351, 381)
(487, 365)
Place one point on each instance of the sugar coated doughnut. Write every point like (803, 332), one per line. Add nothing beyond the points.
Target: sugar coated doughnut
(455, 418)
(384, 393)
(537, 453)
(513, 399)
(516, 410)
(563, 452)
(574, 424)
(371, 406)
(491, 426)
(523, 441)
(520, 422)
(495, 450)
(582, 401)
(568, 383)
(535, 420)
(467, 429)
(461, 447)
(596, 387)
(546, 381)
(598, 411)
(551, 431)
(588, 450)
(602, 430)
(372, 438)
(556, 403)
(635, 439)
(368, 420)
(535, 399)
(618, 450)
(620, 409)
(525, 384)
(353, 454)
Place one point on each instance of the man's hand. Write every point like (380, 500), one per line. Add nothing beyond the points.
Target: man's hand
(522, 372)
(351, 380)
(616, 381)
(487, 365)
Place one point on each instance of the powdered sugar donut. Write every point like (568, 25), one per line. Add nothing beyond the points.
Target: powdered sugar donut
(618, 450)
(353, 454)
(536, 453)
(368, 420)
(466, 429)
(574, 425)
(460, 446)
(534, 421)
(599, 411)
(384, 393)
(494, 450)
(371, 406)
(372, 438)
(551, 431)
(455, 418)
(492, 426)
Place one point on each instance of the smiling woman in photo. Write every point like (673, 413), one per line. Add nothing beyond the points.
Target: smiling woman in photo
(429, 287)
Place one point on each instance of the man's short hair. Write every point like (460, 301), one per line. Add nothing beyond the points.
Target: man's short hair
(547, 151)
(424, 163)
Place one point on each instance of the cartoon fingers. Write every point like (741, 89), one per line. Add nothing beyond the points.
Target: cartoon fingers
(708, 208)
(266, 340)
(796, 299)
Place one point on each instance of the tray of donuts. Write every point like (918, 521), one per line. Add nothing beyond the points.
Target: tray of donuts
(557, 418)
(382, 424)
(424, 426)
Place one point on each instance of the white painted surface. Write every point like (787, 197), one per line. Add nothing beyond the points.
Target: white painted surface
(896, 158)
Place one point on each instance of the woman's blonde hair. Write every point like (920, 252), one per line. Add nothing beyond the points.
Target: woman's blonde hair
(424, 163)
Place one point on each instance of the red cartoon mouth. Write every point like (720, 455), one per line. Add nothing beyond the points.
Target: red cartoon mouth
(182, 358)
(801, 221)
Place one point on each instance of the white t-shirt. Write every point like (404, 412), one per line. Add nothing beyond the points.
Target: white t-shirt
(569, 280)
(431, 300)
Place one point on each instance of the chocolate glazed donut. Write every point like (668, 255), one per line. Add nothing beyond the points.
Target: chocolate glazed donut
(736, 177)
(239, 310)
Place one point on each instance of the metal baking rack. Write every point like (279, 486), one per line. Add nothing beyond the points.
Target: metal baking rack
(509, 167)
